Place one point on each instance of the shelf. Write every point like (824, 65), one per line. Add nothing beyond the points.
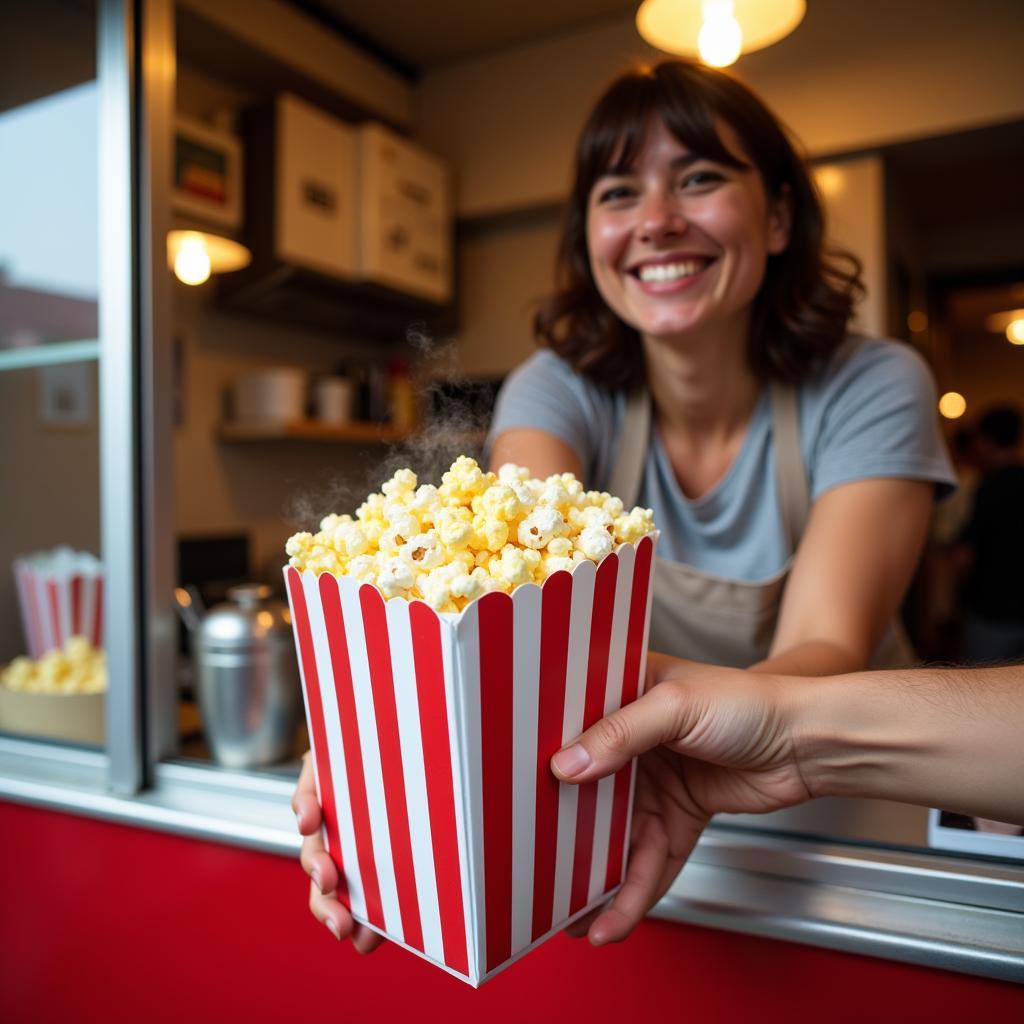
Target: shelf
(51, 354)
(313, 430)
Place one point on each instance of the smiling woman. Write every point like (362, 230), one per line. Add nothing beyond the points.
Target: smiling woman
(698, 362)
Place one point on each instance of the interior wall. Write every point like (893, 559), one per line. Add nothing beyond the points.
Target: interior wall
(854, 195)
(266, 489)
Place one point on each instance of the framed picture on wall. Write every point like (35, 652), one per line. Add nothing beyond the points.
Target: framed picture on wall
(950, 831)
(207, 174)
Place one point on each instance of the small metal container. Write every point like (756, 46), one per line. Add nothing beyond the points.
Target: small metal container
(250, 696)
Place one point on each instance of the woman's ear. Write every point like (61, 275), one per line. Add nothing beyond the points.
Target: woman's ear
(780, 220)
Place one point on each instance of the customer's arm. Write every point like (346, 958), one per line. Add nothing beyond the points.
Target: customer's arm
(714, 739)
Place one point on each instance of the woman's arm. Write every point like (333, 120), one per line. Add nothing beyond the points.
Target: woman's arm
(540, 452)
(852, 568)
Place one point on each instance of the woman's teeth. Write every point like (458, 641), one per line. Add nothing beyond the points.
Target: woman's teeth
(670, 271)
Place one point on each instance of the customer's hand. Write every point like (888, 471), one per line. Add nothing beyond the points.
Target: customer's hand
(710, 740)
(323, 900)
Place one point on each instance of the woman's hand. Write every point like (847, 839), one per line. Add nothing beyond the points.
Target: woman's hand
(323, 901)
(709, 740)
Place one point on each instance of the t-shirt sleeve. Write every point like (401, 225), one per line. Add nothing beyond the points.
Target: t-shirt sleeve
(544, 393)
(879, 420)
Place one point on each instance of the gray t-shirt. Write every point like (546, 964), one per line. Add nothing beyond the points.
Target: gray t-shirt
(869, 411)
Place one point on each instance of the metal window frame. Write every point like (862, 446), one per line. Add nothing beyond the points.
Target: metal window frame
(135, 72)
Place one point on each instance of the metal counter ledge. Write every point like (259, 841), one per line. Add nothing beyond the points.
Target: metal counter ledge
(952, 913)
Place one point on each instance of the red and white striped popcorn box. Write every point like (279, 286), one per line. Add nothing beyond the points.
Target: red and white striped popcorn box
(61, 595)
(431, 736)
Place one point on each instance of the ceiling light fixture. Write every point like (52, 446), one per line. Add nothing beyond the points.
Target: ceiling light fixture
(717, 31)
(194, 255)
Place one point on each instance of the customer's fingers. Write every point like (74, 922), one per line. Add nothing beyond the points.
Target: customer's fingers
(579, 928)
(327, 909)
(617, 738)
(304, 801)
(365, 940)
(648, 865)
(317, 863)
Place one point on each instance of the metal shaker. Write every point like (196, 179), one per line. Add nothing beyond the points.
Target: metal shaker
(249, 692)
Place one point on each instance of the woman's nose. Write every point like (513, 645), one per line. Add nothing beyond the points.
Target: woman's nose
(661, 216)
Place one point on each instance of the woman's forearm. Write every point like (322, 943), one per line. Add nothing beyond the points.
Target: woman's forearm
(813, 658)
(950, 738)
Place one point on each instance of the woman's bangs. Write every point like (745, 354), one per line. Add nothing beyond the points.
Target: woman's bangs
(623, 124)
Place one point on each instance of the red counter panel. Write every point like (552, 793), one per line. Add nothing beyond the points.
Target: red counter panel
(119, 925)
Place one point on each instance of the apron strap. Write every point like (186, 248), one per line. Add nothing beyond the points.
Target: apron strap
(790, 472)
(631, 458)
(791, 475)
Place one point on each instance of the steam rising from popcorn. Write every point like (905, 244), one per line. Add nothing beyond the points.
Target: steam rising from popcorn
(476, 533)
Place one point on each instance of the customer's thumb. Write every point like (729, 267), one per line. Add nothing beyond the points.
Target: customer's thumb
(614, 740)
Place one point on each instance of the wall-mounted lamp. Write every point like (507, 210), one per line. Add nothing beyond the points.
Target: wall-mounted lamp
(1010, 322)
(717, 30)
(194, 255)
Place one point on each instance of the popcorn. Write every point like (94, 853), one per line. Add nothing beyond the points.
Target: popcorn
(78, 668)
(595, 542)
(542, 525)
(476, 533)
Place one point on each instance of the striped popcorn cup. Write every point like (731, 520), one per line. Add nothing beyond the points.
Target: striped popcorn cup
(431, 736)
(60, 593)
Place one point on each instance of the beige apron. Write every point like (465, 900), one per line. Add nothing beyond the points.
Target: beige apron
(710, 618)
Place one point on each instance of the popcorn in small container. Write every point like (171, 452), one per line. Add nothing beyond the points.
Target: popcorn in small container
(60, 593)
(450, 640)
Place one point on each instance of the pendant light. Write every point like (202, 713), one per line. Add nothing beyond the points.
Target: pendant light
(717, 31)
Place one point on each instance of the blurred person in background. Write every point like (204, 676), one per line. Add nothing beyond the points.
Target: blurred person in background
(993, 543)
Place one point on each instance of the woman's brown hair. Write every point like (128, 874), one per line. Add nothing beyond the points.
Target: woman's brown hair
(807, 297)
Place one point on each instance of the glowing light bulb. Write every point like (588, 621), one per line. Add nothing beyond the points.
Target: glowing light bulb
(720, 39)
(192, 261)
(952, 405)
(1015, 332)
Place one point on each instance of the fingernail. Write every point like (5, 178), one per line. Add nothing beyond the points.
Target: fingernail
(298, 821)
(315, 875)
(332, 927)
(572, 760)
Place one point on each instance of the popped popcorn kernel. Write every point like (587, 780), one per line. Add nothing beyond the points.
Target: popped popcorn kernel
(595, 542)
(488, 533)
(423, 551)
(541, 526)
(476, 533)
(402, 483)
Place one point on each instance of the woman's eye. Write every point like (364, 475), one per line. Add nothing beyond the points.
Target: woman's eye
(701, 179)
(614, 193)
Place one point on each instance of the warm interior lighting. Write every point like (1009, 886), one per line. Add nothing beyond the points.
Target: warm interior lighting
(830, 180)
(194, 255)
(917, 321)
(998, 322)
(952, 405)
(717, 31)
(1015, 331)
(720, 40)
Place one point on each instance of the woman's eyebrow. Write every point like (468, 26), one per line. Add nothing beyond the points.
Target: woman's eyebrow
(679, 163)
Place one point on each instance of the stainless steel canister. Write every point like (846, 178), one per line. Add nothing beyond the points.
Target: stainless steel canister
(249, 690)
